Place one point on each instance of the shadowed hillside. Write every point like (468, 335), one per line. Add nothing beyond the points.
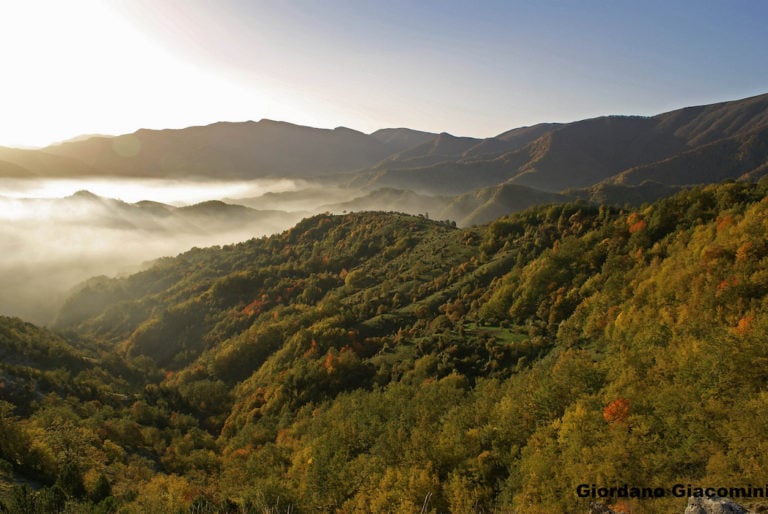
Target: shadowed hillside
(509, 141)
(23, 163)
(707, 123)
(485, 205)
(584, 153)
(229, 150)
(738, 157)
(441, 148)
(400, 139)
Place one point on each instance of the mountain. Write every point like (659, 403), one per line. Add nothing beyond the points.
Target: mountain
(26, 163)
(443, 178)
(11, 170)
(510, 140)
(86, 208)
(743, 156)
(442, 147)
(475, 208)
(399, 139)
(607, 193)
(707, 123)
(578, 154)
(693, 145)
(584, 153)
(228, 151)
(487, 204)
(309, 197)
(385, 199)
(380, 362)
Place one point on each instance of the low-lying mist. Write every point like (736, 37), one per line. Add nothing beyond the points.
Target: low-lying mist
(174, 192)
(54, 234)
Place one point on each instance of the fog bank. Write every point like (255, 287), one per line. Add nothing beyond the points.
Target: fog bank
(174, 192)
(51, 240)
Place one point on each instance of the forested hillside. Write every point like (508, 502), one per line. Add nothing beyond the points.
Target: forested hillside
(379, 362)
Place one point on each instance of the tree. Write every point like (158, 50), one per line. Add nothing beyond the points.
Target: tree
(616, 411)
(70, 479)
(101, 489)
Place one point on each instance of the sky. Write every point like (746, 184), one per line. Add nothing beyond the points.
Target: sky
(475, 68)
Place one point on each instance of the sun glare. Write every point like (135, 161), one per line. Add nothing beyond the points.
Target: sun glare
(59, 59)
(79, 67)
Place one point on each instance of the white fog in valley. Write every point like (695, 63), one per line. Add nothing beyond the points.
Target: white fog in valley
(173, 192)
(54, 234)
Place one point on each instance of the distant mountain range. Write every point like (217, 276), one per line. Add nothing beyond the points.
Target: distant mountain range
(694, 145)
(690, 146)
(473, 208)
(85, 208)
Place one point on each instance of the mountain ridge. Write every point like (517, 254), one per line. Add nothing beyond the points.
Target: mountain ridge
(586, 152)
(676, 148)
(229, 150)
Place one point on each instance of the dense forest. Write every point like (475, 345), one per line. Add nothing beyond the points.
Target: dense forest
(380, 362)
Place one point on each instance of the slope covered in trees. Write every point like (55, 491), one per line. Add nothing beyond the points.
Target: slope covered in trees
(382, 362)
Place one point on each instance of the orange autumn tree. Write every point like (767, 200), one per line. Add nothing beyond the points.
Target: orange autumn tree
(616, 411)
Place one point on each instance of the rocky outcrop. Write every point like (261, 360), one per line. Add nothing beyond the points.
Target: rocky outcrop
(714, 505)
(696, 505)
(600, 508)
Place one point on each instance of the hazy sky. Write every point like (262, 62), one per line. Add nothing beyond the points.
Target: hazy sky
(473, 68)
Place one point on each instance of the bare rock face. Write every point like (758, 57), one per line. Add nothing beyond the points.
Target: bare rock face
(714, 505)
